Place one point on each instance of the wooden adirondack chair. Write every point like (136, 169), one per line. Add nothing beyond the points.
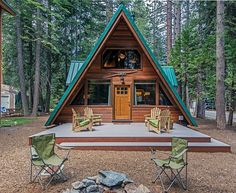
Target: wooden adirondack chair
(163, 122)
(155, 112)
(96, 118)
(80, 123)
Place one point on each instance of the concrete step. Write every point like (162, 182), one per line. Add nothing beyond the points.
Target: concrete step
(212, 146)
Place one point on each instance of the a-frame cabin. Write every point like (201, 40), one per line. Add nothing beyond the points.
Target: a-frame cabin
(121, 79)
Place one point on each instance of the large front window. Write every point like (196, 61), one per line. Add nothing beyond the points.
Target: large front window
(121, 59)
(144, 93)
(99, 92)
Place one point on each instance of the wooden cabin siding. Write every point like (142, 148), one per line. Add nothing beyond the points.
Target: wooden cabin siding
(138, 112)
(66, 113)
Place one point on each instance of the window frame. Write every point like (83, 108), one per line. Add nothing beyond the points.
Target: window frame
(144, 82)
(102, 82)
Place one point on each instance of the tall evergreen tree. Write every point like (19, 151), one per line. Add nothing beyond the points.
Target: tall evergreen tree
(220, 67)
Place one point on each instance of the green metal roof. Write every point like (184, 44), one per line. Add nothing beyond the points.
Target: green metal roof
(170, 73)
(93, 51)
(75, 66)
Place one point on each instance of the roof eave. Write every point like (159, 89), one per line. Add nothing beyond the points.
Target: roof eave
(5, 6)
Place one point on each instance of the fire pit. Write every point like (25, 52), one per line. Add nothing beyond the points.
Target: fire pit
(107, 182)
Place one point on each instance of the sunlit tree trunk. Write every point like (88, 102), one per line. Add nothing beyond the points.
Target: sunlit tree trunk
(220, 67)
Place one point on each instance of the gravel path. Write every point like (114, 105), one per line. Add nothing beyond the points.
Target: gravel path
(208, 172)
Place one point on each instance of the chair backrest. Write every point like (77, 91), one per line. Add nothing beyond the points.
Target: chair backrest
(44, 145)
(155, 112)
(178, 145)
(88, 112)
(73, 111)
(164, 117)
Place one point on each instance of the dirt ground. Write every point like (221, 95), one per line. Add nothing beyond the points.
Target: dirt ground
(208, 172)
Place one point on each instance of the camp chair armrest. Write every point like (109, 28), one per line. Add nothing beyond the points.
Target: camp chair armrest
(180, 154)
(154, 153)
(147, 115)
(63, 147)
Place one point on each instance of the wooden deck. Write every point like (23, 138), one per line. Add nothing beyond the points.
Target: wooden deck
(134, 136)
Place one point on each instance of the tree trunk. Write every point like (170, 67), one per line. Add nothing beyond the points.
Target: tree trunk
(20, 63)
(185, 88)
(231, 113)
(177, 29)
(169, 30)
(37, 63)
(232, 104)
(31, 75)
(220, 67)
(48, 67)
(177, 19)
(200, 101)
(48, 83)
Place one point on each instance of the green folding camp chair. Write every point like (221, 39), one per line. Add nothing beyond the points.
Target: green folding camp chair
(44, 161)
(175, 163)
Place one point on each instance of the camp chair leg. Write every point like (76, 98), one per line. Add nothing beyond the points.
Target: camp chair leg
(158, 175)
(31, 172)
(38, 174)
(177, 178)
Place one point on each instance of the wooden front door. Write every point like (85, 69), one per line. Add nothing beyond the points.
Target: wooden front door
(122, 102)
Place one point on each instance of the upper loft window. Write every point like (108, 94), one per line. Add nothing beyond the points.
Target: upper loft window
(121, 59)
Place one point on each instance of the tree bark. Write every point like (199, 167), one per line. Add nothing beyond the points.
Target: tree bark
(232, 104)
(31, 74)
(220, 67)
(169, 30)
(48, 66)
(186, 90)
(20, 63)
(200, 101)
(37, 63)
(177, 19)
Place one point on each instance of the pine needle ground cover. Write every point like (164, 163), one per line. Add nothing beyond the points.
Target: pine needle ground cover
(13, 121)
(208, 172)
